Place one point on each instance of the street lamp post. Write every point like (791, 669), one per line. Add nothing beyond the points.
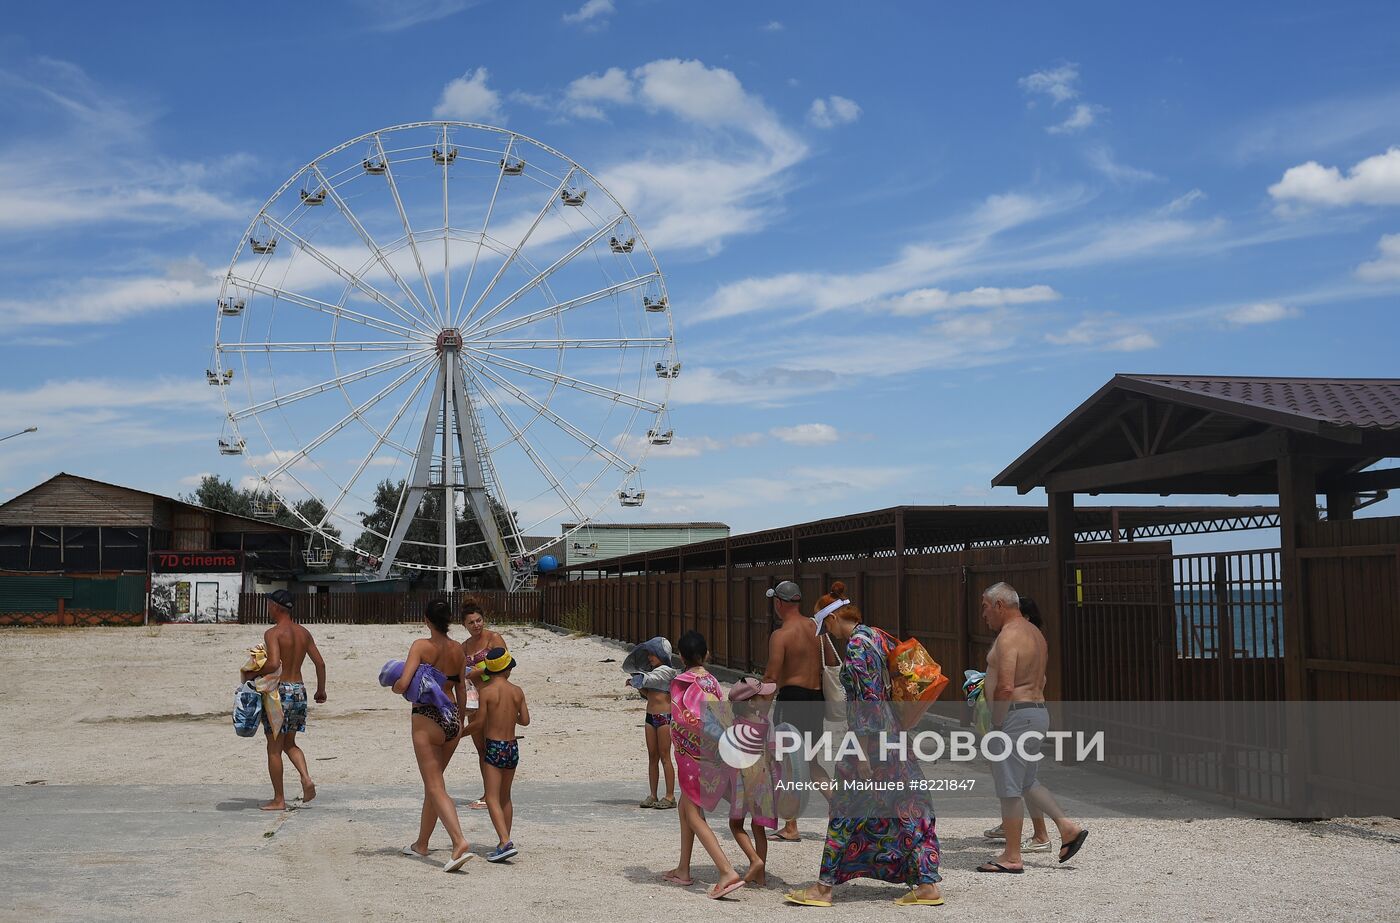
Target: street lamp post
(27, 429)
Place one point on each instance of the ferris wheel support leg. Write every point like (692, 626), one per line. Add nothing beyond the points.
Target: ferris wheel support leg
(478, 501)
(419, 481)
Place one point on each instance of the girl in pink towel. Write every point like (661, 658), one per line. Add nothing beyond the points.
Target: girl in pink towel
(704, 779)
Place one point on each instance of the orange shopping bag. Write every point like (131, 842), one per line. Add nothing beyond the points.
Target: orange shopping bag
(916, 680)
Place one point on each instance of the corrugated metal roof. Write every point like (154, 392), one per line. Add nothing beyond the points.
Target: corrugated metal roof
(1366, 403)
(265, 525)
(1361, 412)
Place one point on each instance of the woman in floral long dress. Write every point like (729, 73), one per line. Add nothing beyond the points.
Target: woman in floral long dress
(899, 843)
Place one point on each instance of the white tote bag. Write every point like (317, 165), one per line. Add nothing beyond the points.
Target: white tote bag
(832, 690)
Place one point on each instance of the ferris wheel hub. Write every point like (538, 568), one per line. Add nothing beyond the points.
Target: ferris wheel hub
(449, 339)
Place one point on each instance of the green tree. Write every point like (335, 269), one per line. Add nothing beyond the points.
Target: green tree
(426, 527)
(217, 493)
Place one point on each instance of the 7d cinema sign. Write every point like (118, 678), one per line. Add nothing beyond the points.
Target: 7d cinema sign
(197, 562)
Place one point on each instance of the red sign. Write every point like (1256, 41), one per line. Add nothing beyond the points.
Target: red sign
(196, 562)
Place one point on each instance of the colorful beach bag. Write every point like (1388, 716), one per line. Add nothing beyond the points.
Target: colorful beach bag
(916, 679)
(247, 710)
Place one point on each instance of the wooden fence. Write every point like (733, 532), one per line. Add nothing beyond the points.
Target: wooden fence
(932, 597)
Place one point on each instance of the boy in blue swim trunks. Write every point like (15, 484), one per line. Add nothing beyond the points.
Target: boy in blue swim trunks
(502, 709)
(288, 646)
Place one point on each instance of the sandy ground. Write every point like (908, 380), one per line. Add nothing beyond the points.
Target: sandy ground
(124, 794)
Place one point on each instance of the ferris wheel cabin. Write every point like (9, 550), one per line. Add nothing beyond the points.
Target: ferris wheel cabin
(655, 306)
(313, 198)
(443, 158)
(218, 379)
(569, 197)
(622, 246)
(631, 497)
(232, 307)
(374, 167)
(231, 446)
(660, 437)
(512, 167)
(668, 369)
(262, 246)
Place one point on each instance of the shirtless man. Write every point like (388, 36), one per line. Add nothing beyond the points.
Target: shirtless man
(795, 665)
(481, 640)
(288, 645)
(1016, 682)
(502, 709)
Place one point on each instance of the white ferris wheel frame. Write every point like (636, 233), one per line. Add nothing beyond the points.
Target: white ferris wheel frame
(465, 367)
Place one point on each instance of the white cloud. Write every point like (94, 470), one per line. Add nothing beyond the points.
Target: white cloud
(1105, 332)
(1263, 312)
(468, 98)
(1101, 158)
(1182, 202)
(773, 26)
(1061, 84)
(583, 94)
(404, 14)
(1386, 266)
(591, 12)
(1058, 83)
(109, 300)
(833, 111)
(806, 434)
(92, 161)
(1084, 115)
(916, 264)
(679, 447)
(929, 300)
(1373, 181)
(696, 191)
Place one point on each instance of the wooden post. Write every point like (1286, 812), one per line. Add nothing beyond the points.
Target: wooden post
(899, 620)
(1057, 613)
(1297, 504)
(1341, 506)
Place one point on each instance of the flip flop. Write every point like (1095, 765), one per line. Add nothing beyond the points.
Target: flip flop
(1073, 846)
(730, 889)
(453, 865)
(997, 867)
(477, 805)
(677, 880)
(910, 900)
(409, 851)
(785, 839)
(801, 900)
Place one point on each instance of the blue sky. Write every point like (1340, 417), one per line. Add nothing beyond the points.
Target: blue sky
(901, 240)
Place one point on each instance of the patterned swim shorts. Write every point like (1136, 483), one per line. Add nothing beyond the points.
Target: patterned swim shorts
(503, 754)
(293, 696)
(659, 721)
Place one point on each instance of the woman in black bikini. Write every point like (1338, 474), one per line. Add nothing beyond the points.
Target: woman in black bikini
(437, 728)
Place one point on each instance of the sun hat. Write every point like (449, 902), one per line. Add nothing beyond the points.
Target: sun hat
(498, 660)
(787, 591)
(748, 687)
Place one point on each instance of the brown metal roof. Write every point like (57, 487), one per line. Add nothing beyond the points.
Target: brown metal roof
(1135, 416)
(1367, 403)
(934, 528)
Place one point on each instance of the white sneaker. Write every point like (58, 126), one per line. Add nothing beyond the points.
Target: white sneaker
(1033, 845)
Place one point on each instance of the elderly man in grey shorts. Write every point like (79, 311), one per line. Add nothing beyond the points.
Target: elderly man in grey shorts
(1016, 683)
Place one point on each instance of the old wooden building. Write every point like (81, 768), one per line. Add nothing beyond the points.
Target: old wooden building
(77, 549)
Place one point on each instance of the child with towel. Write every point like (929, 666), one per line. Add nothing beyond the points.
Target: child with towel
(651, 672)
(704, 778)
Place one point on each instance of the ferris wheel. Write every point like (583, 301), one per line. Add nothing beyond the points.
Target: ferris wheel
(439, 339)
